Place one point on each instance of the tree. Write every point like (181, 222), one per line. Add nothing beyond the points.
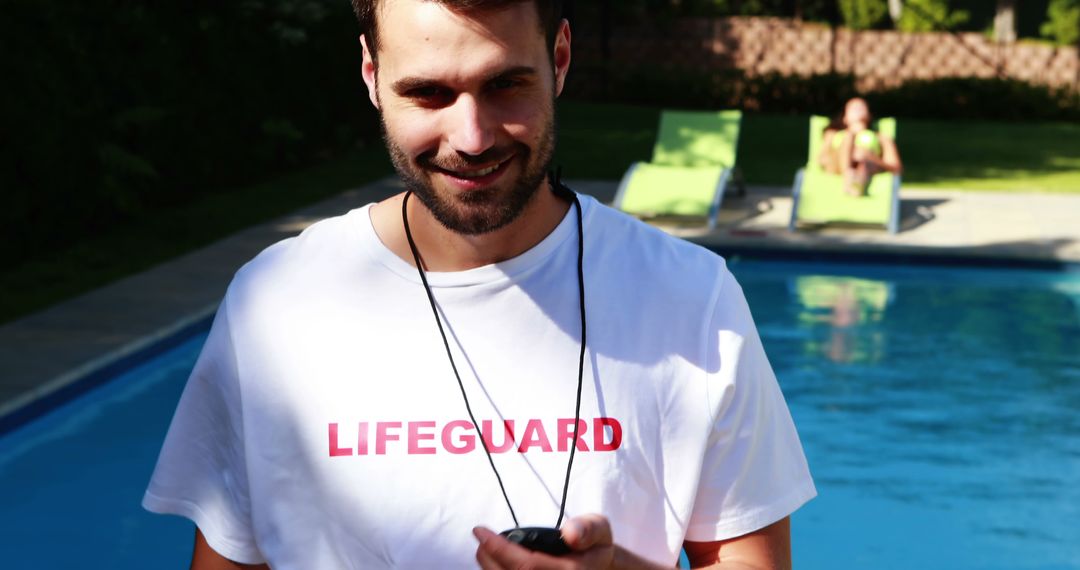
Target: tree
(1005, 21)
(930, 16)
(896, 10)
(862, 14)
(1062, 22)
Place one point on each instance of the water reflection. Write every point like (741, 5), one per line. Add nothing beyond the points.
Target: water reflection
(842, 314)
(937, 407)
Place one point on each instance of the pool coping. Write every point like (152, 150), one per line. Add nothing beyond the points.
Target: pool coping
(168, 333)
(100, 371)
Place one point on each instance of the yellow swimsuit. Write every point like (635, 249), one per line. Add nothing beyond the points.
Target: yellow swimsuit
(863, 139)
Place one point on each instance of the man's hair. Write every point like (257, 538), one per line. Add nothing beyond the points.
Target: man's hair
(550, 12)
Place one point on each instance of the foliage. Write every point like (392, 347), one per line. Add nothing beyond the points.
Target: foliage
(930, 15)
(863, 14)
(960, 98)
(976, 98)
(1062, 22)
(177, 100)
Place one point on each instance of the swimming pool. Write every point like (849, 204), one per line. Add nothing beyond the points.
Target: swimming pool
(939, 410)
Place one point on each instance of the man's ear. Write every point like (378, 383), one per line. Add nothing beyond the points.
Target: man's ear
(368, 70)
(561, 56)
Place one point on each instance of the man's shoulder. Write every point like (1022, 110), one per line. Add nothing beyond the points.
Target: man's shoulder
(623, 237)
(321, 247)
(634, 253)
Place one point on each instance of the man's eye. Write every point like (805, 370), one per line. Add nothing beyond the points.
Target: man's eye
(430, 92)
(503, 83)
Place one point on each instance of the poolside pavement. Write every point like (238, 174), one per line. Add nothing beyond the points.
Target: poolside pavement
(47, 351)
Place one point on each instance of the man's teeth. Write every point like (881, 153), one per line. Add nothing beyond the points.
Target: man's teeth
(478, 173)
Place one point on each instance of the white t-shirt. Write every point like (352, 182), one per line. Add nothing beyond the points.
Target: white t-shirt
(323, 427)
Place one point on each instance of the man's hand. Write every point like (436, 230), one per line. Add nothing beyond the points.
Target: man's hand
(588, 536)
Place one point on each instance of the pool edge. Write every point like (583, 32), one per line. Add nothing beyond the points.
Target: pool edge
(961, 258)
(99, 371)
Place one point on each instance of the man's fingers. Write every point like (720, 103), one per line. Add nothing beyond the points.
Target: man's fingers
(586, 531)
(588, 535)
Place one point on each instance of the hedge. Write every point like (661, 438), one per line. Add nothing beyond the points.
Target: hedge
(957, 98)
(113, 109)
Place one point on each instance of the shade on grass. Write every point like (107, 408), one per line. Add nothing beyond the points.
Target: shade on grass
(157, 236)
(601, 141)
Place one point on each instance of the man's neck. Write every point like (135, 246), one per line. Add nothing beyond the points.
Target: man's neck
(442, 249)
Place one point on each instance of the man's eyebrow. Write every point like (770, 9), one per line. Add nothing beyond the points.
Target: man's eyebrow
(514, 72)
(407, 84)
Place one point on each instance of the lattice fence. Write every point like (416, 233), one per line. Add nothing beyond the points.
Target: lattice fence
(875, 58)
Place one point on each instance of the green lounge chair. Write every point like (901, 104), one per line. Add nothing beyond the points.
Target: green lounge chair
(692, 165)
(818, 196)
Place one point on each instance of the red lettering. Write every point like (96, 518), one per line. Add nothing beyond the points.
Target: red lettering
(566, 434)
(382, 436)
(598, 434)
(534, 436)
(508, 436)
(467, 440)
(459, 437)
(335, 449)
(361, 439)
(415, 437)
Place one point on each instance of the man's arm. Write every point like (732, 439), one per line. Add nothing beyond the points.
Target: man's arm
(206, 558)
(766, 549)
(590, 538)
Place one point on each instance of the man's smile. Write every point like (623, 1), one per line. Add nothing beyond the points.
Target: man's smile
(475, 177)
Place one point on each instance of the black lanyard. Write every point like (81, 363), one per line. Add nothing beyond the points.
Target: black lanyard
(566, 193)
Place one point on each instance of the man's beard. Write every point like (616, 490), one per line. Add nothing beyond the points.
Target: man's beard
(485, 210)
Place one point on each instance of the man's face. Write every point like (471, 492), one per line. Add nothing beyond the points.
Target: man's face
(467, 107)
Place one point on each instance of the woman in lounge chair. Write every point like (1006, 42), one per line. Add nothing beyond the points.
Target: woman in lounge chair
(854, 151)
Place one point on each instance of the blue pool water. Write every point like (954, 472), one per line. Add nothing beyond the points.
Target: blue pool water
(939, 409)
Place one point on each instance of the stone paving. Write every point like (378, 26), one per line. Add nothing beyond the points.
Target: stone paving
(48, 350)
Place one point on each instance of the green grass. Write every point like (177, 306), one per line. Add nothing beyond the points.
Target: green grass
(161, 235)
(595, 141)
(600, 141)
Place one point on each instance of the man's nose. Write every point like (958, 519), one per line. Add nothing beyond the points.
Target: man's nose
(471, 131)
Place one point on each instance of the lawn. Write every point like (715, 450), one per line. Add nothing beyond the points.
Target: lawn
(600, 141)
(595, 141)
(162, 235)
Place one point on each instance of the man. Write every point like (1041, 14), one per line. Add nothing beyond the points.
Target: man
(357, 375)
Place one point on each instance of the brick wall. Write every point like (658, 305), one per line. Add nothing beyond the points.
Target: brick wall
(876, 58)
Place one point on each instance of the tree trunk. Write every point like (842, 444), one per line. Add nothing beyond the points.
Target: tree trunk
(1005, 21)
(896, 9)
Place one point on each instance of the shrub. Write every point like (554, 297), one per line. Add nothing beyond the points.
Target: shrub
(108, 111)
(975, 98)
(1062, 22)
(949, 98)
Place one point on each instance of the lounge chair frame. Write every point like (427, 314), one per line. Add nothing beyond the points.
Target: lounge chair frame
(685, 160)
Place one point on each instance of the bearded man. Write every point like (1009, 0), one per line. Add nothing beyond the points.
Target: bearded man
(485, 351)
